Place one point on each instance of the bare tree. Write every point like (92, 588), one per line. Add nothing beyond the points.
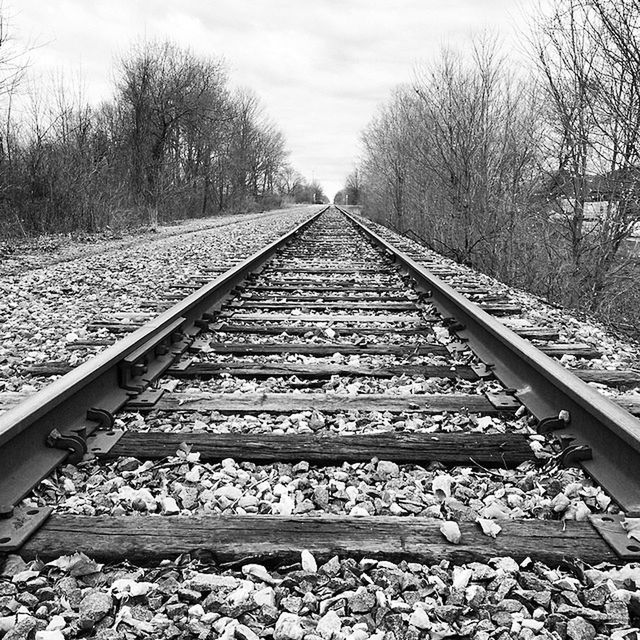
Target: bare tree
(451, 157)
(587, 55)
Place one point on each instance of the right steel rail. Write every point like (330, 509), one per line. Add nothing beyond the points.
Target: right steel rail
(602, 436)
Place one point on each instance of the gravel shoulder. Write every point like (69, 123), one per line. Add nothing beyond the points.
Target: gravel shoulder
(45, 309)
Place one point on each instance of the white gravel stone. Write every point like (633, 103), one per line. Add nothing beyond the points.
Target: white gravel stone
(49, 635)
(329, 625)
(289, 627)
(420, 619)
(308, 561)
(260, 572)
(266, 596)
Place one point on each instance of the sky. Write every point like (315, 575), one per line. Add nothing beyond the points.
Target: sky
(322, 68)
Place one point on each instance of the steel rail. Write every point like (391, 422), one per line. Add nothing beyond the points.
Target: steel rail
(56, 424)
(600, 435)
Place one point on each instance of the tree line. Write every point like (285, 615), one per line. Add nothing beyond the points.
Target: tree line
(175, 141)
(529, 173)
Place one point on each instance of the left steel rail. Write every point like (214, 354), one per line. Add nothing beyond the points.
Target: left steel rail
(68, 417)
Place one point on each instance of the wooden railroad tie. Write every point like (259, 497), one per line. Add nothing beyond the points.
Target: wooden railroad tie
(243, 369)
(245, 348)
(279, 539)
(248, 403)
(501, 449)
(363, 304)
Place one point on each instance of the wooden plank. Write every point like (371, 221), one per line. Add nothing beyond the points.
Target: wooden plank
(222, 267)
(301, 330)
(54, 368)
(408, 448)
(316, 317)
(381, 349)
(539, 333)
(335, 287)
(276, 539)
(266, 297)
(472, 289)
(578, 350)
(345, 281)
(90, 342)
(311, 261)
(245, 348)
(321, 370)
(114, 327)
(364, 304)
(500, 308)
(283, 269)
(622, 378)
(329, 403)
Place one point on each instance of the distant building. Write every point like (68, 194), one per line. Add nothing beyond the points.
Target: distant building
(604, 195)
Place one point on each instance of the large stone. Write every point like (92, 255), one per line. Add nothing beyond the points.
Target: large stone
(266, 596)
(388, 468)
(579, 629)
(292, 604)
(308, 561)
(329, 625)
(229, 491)
(209, 582)
(331, 567)
(49, 635)
(321, 496)
(22, 630)
(510, 605)
(260, 572)
(362, 601)
(448, 613)
(420, 619)
(243, 632)
(582, 612)
(618, 613)
(596, 596)
(93, 607)
(289, 627)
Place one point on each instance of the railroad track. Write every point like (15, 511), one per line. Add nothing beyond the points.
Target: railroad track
(331, 348)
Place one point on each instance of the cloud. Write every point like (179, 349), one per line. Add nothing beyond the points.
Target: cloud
(321, 68)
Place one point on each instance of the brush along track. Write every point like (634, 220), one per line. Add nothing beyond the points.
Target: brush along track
(271, 397)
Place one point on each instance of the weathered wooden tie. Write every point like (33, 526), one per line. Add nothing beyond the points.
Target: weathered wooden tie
(277, 539)
(316, 370)
(318, 317)
(361, 304)
(247, 403)
(502, 449)
(244, 348)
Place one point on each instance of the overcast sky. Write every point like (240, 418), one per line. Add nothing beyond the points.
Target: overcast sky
(321, 67)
